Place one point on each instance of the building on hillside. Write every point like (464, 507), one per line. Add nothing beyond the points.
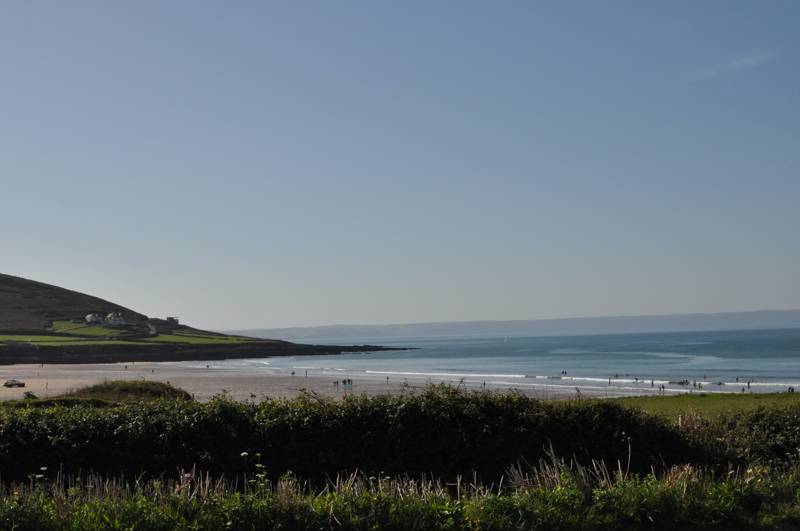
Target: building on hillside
(172, 320)
(94, 318)
(114, 319)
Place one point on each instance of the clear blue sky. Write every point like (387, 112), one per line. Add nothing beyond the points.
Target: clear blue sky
(254, 164)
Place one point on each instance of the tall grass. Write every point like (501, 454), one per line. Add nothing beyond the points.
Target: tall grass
(554, 495)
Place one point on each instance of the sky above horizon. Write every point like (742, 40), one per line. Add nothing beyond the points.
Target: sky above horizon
(258, 164)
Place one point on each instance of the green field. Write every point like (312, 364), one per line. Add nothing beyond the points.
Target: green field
(56, 341)
(68, 333)
(708, 404)
(197, 337)
(28, 338)
(68, 327)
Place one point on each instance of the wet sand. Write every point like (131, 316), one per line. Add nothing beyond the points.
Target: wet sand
(203, 383)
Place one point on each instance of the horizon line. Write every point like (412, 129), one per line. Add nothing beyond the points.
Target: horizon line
(541, 319)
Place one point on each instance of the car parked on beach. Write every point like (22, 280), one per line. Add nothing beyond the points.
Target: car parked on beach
(14, 383)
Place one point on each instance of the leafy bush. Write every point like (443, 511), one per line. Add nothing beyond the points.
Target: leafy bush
(765, 436)
(440, 433)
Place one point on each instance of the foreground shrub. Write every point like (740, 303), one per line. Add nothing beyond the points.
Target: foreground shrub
(440, 433)
(766, 436)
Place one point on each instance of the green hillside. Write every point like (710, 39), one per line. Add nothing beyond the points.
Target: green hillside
(29, 305)
(37, 314)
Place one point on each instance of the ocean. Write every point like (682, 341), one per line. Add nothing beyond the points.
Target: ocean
(606, 365)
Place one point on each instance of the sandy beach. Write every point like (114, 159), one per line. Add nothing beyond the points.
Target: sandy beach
(203, 383)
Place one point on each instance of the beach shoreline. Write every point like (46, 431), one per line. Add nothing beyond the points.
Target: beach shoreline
(204, 381)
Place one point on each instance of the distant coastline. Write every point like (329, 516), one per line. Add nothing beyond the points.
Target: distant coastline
(696, 322)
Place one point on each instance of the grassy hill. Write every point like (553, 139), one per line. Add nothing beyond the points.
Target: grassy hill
(27, 305)
(37, 314)
(40, 323)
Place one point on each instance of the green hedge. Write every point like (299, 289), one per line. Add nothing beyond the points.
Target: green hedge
(766, 436)
(441, 433)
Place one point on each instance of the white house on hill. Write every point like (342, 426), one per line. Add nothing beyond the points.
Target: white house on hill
(114, 318)
(94, 318)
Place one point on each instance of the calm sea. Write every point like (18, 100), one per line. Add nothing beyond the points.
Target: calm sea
(619, 364)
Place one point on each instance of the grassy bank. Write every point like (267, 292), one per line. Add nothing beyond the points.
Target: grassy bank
(708, 404)
(106, 394)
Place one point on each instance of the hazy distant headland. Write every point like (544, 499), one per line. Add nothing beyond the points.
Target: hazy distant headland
(767, 319)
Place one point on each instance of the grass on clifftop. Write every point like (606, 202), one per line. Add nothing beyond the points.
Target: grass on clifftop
(198, 337)
(101, 335)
